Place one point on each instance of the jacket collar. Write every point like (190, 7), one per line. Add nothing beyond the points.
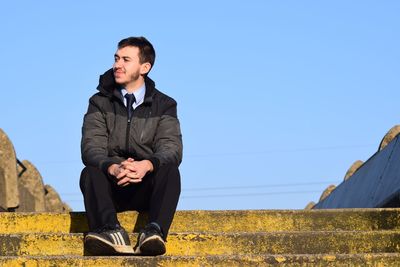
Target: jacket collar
(109, 88)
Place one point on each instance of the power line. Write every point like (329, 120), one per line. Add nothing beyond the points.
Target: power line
(224, 195)
(68, 161)
(257, 186)
(279, 151)
(243, 153)
(233, 195)
(73, 200)
(240, 187)
(252, 195)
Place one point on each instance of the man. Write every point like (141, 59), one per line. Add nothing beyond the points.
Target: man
(131, 147)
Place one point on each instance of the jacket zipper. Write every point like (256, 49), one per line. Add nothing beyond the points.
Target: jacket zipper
(128, 128)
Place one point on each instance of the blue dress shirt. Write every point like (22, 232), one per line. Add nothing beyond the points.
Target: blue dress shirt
(139, 96)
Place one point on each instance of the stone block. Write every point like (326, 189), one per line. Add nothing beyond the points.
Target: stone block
(327, 192)
(389, 136)
(310, 205)
(353, 168)
(53, 201)
(28, 200)
(66, 207)
(31, 181)
(9, 194)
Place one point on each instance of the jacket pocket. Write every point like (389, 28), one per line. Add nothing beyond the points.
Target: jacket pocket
(148, 128)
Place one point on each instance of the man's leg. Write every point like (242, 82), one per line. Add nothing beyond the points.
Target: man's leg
(164, 196)
(97, 195)
(158, 194)
(106, 236)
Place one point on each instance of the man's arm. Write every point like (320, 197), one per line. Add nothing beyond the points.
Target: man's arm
(167, 145)
(95, 139)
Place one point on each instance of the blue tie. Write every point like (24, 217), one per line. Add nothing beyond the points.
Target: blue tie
(130, 99)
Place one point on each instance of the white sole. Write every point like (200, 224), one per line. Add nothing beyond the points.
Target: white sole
(152, 246)
(99, 246)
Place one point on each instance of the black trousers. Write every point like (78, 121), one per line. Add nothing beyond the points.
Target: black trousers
(158, 194)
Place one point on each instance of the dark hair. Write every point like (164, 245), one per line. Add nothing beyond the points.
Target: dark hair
(146, 50)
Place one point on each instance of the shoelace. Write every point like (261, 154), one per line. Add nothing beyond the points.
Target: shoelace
(108, 227)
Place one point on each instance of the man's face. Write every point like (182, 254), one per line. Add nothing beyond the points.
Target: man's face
(127, 66)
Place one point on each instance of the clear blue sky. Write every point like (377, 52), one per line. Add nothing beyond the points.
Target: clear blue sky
(276, 98)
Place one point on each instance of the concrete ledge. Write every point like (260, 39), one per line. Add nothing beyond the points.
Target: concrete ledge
(386, 259)
(210, 221)
(202, 244)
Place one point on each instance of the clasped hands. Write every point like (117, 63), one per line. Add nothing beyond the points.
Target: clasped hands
(130, 171)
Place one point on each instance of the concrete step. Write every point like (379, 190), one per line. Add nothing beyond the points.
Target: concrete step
(373, 259)
(202, 244)
(216, 221)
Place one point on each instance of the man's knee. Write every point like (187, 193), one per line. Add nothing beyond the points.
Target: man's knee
(169, 173)
(87, 175)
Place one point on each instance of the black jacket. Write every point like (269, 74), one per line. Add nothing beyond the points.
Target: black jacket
(153, 132)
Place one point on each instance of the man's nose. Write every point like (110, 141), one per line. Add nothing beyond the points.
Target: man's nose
(117, 64)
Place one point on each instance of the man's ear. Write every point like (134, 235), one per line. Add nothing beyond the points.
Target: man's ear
(145, 68)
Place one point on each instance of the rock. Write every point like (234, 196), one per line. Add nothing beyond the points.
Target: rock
(66, 207)
(28, 200)
(310, 205)
(53, 201)
(327, 191)
(389, 136)
(9, 194)
(21, 185)
(31, 181)
(353, 168)
(1, 179)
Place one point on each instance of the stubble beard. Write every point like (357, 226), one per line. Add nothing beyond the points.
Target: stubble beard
(133, 78)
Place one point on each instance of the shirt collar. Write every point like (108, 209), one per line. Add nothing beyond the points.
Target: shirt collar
(139, 94)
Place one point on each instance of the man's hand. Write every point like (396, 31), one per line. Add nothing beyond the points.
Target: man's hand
(130, 171)
(115, 169)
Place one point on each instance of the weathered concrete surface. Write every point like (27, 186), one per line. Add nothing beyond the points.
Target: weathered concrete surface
(375, 184)
(3, 206)
(31, 181)
(28, 200)
(310, 205)
(210, 221)
(9, 195)
(201, 244)
(346, 237)
(53, 201)
(327, 192)
(368, 259)
(353, 168)
(389, 136)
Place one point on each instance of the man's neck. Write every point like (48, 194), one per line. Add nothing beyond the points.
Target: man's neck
(134, 86)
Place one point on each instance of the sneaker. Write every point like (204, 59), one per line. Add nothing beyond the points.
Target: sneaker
(108, 241)
(150, 241)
